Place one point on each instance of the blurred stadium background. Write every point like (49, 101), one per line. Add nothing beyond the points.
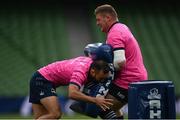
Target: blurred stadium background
(35, 33)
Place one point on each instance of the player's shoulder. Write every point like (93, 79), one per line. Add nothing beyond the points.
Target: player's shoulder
(121, 26)
(119, 30)
(82, 57)
(83, 60)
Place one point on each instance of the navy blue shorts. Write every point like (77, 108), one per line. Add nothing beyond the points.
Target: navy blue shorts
(40, 88)
(119, 93)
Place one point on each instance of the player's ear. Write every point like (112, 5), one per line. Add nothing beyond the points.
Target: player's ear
(108, 17)
(92, 72)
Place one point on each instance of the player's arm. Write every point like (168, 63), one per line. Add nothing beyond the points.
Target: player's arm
(119, 59)
(76, 94)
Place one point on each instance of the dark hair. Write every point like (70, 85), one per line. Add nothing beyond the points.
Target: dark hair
(99, 65)
(106, 9)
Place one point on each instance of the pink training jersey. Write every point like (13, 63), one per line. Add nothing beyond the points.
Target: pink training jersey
(120, 37)
(67, 71)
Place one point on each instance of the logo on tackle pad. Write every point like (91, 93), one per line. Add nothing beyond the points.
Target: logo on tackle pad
(154, 94)
(154, 104)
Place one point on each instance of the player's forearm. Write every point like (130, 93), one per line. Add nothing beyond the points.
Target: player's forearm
(77, 95)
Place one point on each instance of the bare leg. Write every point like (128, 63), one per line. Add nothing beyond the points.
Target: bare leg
(50, 108)
(38, 110)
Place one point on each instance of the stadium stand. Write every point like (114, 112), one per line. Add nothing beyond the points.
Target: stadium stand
(30, 38)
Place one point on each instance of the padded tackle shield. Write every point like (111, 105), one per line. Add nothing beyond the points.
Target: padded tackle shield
(151, 99)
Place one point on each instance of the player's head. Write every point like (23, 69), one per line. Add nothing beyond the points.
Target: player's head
(103, 52)
(99, 51)
(105, 17)
(91, 48)
(99, 70)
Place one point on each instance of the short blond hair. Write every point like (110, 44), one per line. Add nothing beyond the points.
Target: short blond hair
(106, 9)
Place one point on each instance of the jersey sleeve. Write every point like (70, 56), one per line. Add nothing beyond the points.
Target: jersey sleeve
(78, 77)
(118, 36)
(116, 40)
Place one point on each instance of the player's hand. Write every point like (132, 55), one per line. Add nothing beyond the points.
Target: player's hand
(103, 103)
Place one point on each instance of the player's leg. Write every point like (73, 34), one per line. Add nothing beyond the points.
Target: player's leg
(120, 98)
(52, 107)
(38, 110)
(117, 105)
(34, 97)
(44, 98)
(114, 111)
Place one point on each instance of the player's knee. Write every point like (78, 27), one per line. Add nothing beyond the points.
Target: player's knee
(56, 115)
(36, 117)
(119, 113)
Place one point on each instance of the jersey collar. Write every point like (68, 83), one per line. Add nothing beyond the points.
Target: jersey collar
(112, 25)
